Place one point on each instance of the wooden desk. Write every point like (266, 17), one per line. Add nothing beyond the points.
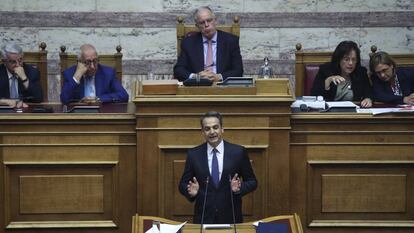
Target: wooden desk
(140, 224)
(168, 125)
(353, 170)
(68, 170)
(342, 173)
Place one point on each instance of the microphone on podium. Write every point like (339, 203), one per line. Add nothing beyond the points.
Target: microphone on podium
(204, 205)
(232, 205)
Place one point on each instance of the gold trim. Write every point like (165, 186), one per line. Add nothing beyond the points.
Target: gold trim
(61, 224)
(361, 223)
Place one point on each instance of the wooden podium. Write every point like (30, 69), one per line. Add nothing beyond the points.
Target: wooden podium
(140, 224)
(169, 124)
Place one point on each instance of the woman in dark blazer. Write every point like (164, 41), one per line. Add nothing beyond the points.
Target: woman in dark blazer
(344, 79)
(391, 84)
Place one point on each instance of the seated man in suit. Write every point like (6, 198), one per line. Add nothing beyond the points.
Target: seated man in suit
(90, 81)
(209, 53)
(391, 84)
(217, 166)
(18, 81)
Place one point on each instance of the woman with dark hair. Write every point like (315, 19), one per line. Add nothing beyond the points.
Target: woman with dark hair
(344, 79)
(391, 85)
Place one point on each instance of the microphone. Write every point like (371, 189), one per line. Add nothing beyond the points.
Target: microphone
(204, 206)
(232, 206)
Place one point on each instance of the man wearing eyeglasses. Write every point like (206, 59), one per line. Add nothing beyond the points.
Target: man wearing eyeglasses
(90, 82)
(210, 53)
(19, 82)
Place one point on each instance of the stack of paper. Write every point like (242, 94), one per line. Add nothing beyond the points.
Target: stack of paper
(341, 104)
(166, 228)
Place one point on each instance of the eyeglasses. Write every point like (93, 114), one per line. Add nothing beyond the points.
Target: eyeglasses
(349, 59)
(90, 62)
(205, 22)
(14, 62)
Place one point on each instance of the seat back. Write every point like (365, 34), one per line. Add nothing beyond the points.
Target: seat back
(306, 68)
(39, 60)
(184, 30)
(111, 60)
(402, 60)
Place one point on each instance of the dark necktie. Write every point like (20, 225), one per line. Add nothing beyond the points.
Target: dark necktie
(215, 168)
(13, 88)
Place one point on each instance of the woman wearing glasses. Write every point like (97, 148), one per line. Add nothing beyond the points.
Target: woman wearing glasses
(391, 85)
(344, 79)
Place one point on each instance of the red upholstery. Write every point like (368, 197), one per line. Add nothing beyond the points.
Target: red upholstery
(310, 74)
(188, 34)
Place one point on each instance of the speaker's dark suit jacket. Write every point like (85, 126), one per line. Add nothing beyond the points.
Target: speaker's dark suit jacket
(33, 92)
(218, 205)
(383, 92)
(107, 87)
(191, 60)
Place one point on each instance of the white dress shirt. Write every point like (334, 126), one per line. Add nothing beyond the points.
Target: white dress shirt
(219, 154)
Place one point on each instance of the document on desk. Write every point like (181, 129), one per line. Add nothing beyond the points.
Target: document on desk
(166, 228)
(377, 111)
(340, 104)
(169, 228)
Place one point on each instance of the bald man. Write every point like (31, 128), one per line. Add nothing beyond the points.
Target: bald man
(89, 81)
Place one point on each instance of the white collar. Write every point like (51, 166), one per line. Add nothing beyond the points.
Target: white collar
(10, 75)
(212, 39)
(219, 148)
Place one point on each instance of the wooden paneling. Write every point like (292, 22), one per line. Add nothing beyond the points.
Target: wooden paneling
(167, 126)
(353, 170)
(61, 194)
(61, 172)
(363, 193)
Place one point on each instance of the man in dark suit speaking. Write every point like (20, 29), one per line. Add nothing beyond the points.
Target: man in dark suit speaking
(209, 53)
(211, 166)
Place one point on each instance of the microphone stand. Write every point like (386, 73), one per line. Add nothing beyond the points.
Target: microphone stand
(232, 206)
(204, 206)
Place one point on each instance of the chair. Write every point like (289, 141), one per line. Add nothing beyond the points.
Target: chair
(111, 60)
(184, 30)
(39, 60)
(306, 68)
(140, 224)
